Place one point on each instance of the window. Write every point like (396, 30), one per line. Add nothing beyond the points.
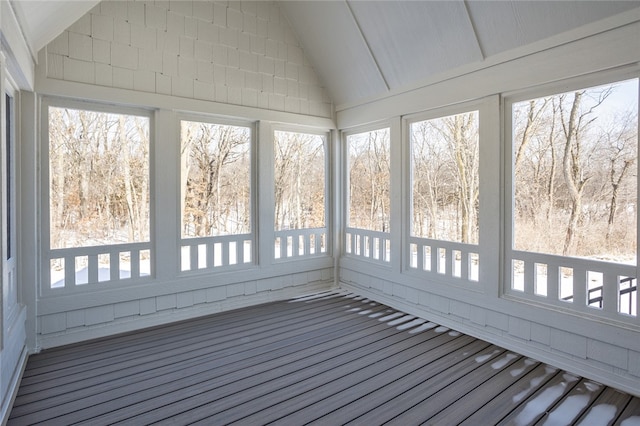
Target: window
(445, 189)
(574, 166)
(300, 193)
(369, 180)
(444, 177)
(98, 195)
(215, 193)
(575, 180)
(369, 202)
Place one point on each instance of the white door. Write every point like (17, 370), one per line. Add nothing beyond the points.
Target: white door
(10, 296)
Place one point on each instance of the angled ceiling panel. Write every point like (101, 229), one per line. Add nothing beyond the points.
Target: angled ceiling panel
(506, 25)
(44, 20)
(364, 49)
(415, 39)
(335, 48)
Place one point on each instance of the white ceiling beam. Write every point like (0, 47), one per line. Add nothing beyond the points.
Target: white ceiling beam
(474, 29)
(366, 43)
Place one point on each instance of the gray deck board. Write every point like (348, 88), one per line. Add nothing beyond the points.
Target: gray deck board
(630, 413)
(511, 397)
(327, 359)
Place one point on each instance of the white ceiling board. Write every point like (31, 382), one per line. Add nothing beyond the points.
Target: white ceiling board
(505, 25)
(43, 21)
(335, 47)
(365, 50)
(414, 39)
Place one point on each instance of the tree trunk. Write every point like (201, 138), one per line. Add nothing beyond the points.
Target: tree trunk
(126, 170)
(571, 172)
(615, 185)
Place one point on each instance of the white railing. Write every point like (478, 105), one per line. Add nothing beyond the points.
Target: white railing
(71, 268)
(211, 253)
(584, 285)
(370, 245)
(297, 243)
(456, 260)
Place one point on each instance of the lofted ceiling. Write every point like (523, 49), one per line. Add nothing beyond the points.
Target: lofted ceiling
(363, 50)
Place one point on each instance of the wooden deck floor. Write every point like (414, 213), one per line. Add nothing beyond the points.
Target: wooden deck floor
(327, 359)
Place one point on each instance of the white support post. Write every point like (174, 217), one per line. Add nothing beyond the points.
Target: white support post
(397, 213)
(490, 247)
(262, 183)
(165, 161)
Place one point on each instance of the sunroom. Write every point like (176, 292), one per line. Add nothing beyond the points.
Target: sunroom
(461, 163)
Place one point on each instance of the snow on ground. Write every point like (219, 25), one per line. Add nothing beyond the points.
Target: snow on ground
(104, 273)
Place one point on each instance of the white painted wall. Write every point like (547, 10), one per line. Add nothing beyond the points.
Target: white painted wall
(597, 348)
(240, 53)
(237, 60)
(107, 68)
(16, 65)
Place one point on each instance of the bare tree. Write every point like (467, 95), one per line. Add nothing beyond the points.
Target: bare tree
(99, 169)
(575, 168)
(299, 180)
(572, 163)
(369, 180)
(215, 183)
(445, 177)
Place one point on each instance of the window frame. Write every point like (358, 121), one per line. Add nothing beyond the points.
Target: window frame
(347, 167)
(446, 274)
(253, 194)
(577, 264)
(361, 243)
(434, 115)
(11, 298)
(326, 135)
(46, 250)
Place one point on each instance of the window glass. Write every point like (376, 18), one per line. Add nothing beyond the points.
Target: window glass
(369, 180)
(299, 173)
(215, 179)
(575, 173)
(444, 178)
(98, 178)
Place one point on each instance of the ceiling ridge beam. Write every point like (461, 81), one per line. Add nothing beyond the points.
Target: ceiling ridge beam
(366, 42)
(473, 28)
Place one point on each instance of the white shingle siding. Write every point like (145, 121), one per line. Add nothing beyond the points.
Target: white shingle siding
(102, 27)
(184, 300)
(104, 74)
(122, 78)
(101, 51)
(634, 363)
(127, 309)
(163, 84)
(124, 56)
(80, 47)
(53, 323)
(235, 49)
(203, 10)
(204, 91)
(76, 318)
(148, 306)
(569, 343)
(82, 25)
(99, 315)
(144, 81)
(60, 45)
(55, 67)
(168, 301)
(80, 71)
(608, 354)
